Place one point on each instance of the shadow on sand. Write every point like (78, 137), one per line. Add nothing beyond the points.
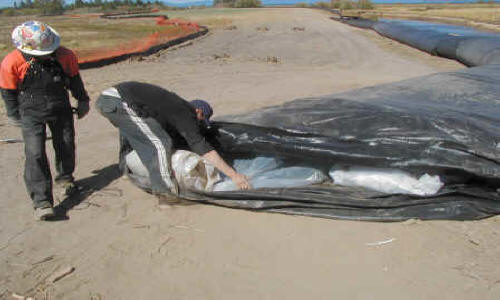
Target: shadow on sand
(87, 186)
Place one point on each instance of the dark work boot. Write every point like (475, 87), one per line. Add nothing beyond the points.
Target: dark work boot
(70, 188)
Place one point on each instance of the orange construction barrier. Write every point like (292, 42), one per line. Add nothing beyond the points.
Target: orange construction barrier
(143, 46)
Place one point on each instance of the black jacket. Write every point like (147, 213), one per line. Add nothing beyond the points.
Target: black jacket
(173, 113)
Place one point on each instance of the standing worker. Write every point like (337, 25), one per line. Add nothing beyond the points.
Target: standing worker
(34, 80)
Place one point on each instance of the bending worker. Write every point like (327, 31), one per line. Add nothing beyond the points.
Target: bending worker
(34, 80)
(154, 120)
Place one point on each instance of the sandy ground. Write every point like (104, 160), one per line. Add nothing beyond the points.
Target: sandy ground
(123, 246)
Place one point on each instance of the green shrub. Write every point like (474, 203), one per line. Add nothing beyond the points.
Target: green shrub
(247, 3)
(8, 12)
(365, 4)
(50, 8)
(108, 6)
(349, 4)
(346, 5)
(224, 3)
(322, 4)
(302, 5)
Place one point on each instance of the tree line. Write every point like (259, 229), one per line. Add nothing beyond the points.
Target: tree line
(340, 4)
(238, 3)
(58, 7)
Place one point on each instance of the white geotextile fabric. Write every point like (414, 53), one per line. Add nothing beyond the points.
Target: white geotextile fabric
(191, 170)
(388, 181)
(194, 172)
(267, 172)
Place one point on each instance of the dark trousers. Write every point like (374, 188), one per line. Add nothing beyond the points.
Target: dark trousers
(146, 136)
(37, 174)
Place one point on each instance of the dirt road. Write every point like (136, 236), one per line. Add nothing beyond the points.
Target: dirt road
(123, 246)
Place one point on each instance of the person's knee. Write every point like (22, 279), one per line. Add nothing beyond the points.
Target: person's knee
(34, 150)
(105, 105)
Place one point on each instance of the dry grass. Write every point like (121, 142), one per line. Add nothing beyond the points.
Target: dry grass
(88, 31)
(212, 17)
(486, 15)
(467, 14)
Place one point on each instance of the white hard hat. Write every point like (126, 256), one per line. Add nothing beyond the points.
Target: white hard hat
(35, 38)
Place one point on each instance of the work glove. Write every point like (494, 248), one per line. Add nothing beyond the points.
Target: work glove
(14, 121)
(82, 109)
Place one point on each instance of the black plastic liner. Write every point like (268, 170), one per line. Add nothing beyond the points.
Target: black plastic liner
(445, 124)
(469, 49)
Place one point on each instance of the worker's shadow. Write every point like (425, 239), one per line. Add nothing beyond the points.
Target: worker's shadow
(87, 186)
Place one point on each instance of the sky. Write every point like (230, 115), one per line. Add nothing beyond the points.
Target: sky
(6, 3)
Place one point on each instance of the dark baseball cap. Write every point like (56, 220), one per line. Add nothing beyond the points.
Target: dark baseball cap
(205, 108)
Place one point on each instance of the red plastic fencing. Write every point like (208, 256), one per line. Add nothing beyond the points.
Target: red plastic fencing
(178, 32)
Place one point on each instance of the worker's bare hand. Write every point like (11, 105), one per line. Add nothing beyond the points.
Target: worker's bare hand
(241, 181)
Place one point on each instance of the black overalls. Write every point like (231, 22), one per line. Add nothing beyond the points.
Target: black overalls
(44, 100)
